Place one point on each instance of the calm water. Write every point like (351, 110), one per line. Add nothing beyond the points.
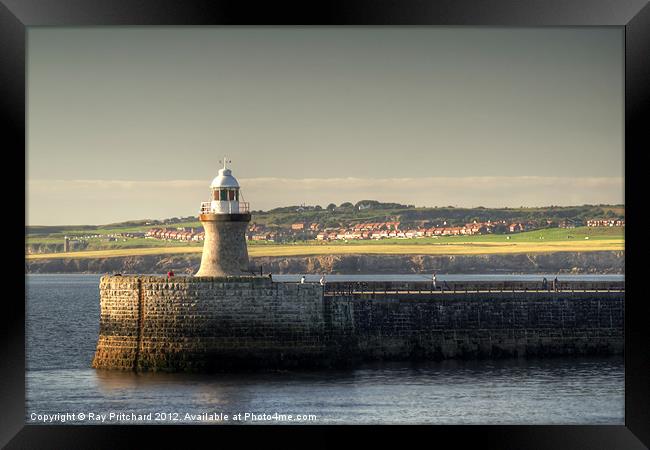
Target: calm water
(62, 327)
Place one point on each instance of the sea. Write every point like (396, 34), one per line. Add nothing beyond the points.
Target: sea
(62, 325)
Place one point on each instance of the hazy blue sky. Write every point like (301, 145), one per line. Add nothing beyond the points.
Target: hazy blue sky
(128, 123)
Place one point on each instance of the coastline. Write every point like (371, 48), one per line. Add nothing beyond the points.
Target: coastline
(595, 262)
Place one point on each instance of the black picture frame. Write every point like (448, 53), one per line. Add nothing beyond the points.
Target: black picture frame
(633, 15)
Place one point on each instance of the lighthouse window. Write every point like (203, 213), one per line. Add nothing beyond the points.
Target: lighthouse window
(224, 195)
(237, 195)
(231, 195)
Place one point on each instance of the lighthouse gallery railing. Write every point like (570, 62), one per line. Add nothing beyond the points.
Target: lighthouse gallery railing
(244, 208)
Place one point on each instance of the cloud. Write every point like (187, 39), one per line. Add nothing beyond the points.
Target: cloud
(104, 201)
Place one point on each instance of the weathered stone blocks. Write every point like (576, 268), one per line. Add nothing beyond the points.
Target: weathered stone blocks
(223, 323)
(487, 324)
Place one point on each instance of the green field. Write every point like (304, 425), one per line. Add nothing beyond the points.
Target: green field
(537, 236)
(539, 241)
(47, 241)
(45, 235)
(99, 244)
(282, 217)
(548, 234)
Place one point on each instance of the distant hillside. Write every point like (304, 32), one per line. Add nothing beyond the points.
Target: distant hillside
(453, 216)
(343, 215)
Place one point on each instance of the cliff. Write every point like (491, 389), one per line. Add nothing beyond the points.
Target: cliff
(564, 262)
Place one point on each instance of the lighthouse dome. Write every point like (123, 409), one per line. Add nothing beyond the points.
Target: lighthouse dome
(224, 179)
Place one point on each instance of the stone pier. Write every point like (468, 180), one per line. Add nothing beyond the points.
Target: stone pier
(248, 322)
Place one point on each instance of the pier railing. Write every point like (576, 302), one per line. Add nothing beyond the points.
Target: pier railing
(420, 287)
(244, 208)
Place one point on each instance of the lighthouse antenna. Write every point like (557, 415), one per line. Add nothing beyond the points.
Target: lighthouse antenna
(225, 161)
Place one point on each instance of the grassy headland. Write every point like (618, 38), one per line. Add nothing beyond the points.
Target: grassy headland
(127, 238)
(581, 239)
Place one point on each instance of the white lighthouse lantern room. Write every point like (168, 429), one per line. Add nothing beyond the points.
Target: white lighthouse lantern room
(225, 194)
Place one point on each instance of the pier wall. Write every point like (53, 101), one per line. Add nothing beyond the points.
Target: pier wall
(216, 323)
(482, 324)
(207, 323)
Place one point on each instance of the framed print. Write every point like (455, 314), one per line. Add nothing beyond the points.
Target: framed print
(355, 213)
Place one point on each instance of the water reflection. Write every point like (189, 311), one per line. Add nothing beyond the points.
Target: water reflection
(556, 390)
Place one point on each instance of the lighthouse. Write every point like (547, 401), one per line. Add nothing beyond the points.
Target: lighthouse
(225, 220)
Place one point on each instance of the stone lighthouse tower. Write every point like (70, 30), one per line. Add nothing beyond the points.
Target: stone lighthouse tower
(225, 220)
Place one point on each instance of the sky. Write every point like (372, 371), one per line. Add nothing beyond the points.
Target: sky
(129, 123)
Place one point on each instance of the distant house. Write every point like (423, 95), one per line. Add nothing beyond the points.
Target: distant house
(262, 237)
(606, 223)
(256, 228)
(566, 223)
(297, 226)
(475, 228)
